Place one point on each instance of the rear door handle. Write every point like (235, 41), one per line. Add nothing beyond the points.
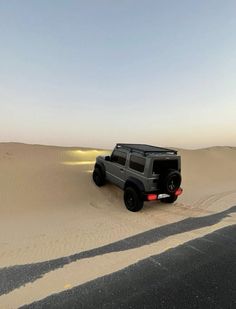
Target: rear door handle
(121, 169)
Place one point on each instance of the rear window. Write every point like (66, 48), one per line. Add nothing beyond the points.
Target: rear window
(118, 157)
(161, 166)
(137, 163)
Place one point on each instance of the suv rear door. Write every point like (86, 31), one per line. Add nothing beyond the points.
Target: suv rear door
(136, 167)
(116, 169)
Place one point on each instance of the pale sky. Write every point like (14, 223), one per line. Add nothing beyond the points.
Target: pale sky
(94, 73)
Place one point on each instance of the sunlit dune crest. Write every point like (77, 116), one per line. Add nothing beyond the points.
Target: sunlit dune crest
(78, 162)
(82, 157)
(93, 152)
(84, 151)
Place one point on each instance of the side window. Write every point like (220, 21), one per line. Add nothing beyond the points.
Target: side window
(155, 167)
(137, 163)
(118, 157)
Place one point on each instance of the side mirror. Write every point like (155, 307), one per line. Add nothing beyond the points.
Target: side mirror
(108, 158)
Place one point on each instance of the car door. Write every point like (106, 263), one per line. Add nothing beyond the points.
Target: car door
(115, 170)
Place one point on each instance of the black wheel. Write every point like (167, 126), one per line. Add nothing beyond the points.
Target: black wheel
(171, 199)
(171, 182)
(132, 199)
(98, 177)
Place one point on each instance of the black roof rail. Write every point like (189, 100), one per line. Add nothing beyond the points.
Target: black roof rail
(145, 149)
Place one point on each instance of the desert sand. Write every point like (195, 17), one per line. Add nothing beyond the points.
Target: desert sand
(50, 209)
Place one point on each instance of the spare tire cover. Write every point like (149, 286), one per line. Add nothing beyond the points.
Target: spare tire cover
(172, 181)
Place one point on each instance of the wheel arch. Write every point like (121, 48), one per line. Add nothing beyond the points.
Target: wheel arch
(134, 183)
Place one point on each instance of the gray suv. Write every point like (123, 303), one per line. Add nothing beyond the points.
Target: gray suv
(144, 172)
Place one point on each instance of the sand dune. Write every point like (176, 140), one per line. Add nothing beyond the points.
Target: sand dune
(50, 208)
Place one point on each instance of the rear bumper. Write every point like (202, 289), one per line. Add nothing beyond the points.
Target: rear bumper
(152, 196)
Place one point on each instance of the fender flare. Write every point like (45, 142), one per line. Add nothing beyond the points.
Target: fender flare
(134, 182)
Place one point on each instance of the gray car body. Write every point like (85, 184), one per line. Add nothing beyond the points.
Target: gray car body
(119, 174)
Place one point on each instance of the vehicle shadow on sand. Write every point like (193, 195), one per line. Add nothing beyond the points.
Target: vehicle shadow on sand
(16, 276)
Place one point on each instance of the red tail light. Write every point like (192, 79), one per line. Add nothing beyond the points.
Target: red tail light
(151, 197)
(179, 191)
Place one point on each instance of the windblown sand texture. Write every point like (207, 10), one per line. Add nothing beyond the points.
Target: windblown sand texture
(51, 209)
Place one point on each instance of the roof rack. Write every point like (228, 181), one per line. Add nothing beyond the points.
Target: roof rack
(145, 149)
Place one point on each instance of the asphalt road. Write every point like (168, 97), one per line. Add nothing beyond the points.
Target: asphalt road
(197, 274)
(16, 276)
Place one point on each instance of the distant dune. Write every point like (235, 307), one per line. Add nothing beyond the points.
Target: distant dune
(50, 208)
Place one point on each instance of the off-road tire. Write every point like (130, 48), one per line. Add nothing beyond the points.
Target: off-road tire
(98, 177)
(132, 199)
(169, 200)
(171, 181)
